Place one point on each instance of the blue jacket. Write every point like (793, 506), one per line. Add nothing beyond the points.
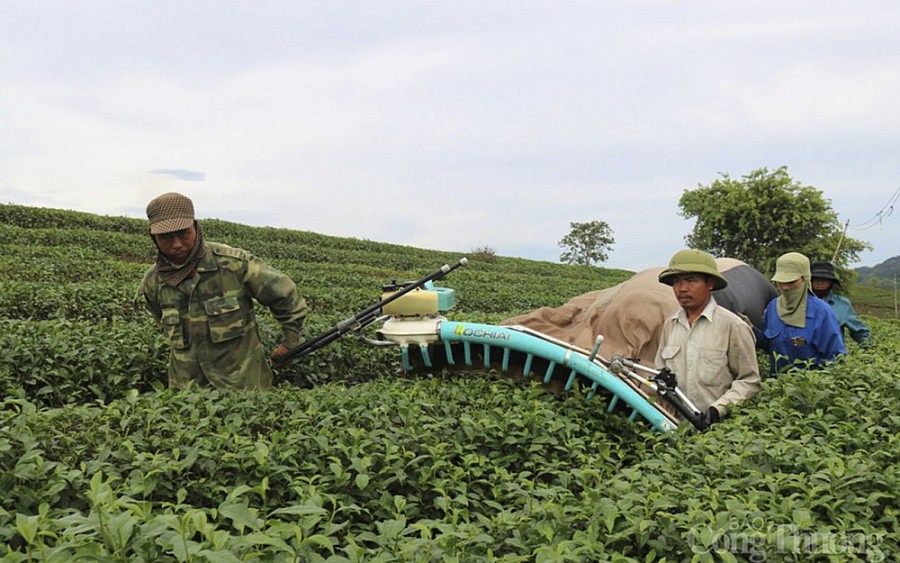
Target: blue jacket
(817, 343)
(847, 319)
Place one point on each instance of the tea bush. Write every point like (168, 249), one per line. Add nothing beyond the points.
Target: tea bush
(345, 460)
(58, 362)
(94, 301)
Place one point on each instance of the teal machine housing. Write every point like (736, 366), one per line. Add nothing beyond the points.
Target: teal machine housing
(414, 322)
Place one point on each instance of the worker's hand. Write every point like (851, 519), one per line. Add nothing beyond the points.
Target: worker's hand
(276, 357)
(711, 416)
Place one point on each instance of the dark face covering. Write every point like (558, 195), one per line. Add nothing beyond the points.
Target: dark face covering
(821, 287)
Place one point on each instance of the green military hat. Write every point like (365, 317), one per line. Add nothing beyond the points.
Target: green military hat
(692, 261)
(791, 266)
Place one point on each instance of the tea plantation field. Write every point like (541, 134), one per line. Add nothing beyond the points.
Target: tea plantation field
(344, 460)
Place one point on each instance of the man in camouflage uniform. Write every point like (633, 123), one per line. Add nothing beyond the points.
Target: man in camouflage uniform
(201, 294)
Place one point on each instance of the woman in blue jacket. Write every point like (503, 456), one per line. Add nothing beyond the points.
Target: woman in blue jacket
(799, 329)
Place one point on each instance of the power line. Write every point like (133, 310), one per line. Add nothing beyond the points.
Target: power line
(885, 211)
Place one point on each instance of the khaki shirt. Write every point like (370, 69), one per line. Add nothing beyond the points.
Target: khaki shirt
(209, 323)
(714, 360)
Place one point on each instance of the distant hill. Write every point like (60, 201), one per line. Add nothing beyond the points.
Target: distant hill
(882, 275)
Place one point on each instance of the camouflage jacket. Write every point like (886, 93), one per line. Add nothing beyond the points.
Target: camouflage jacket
(209, 323)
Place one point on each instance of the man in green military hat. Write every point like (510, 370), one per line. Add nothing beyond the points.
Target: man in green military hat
(710, 349)
(201, 294)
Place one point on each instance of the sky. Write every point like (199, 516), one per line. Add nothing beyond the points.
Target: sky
(452, 125)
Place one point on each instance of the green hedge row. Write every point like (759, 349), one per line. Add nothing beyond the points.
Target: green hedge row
(463, 467)
(126, 238)
(93, 301)
(417, 468)
(61, 362)
(46, 218)
(346, 461)
(117, 245)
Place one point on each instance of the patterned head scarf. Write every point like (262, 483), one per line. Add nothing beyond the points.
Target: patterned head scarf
(169, 213)
(173, 273)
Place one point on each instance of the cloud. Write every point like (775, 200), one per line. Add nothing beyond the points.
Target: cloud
(455, 125)
(186, 175)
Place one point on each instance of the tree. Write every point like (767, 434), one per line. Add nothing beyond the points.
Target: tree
(763, 216)
(587, 243)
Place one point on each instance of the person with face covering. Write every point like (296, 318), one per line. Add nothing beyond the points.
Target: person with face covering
(201, 294)
(824, 281)
(799, 329)
(708, 348)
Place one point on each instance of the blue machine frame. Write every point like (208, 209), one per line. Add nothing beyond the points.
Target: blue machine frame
(488, 340)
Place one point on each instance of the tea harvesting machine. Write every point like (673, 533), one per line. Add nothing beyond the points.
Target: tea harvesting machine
(410, 317)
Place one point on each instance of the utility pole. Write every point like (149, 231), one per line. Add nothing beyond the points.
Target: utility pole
(840, 240)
